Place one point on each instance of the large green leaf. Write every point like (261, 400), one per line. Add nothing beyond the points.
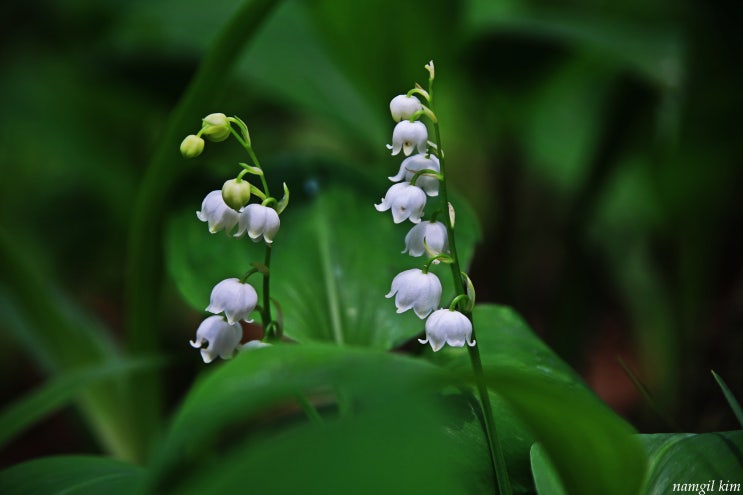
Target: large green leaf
(59, 392)
(385, 422)
(546, 479)
(690, 459)
(71, 475)
(592, 449)
(332, 264)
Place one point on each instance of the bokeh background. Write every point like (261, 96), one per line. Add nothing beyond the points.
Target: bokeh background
(598, 142)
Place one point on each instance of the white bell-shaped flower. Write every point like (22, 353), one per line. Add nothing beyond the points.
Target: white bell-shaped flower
(407, 136)
(216, 213)
(402, 107)
(416, 163)
(447, 327)
(235, 298)
(258, 220)
(405, 201)
(428, 233)
(417, 290)
(222, 338)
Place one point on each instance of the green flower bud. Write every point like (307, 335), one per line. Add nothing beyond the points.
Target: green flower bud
(216, 127)
(192, 146)
(236, 193)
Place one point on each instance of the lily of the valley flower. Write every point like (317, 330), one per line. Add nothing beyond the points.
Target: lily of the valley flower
(408, 135)
(216, 213)
(235, 298)
(416, 163)
(402, 107)
(445, 326)
(432, 234)
(222, 338)
(258, 220)
(416, 289)
(405, 201)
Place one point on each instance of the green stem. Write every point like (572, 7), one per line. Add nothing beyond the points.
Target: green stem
(496, 452)
(309, 409)
(266, 313)
(144, 262)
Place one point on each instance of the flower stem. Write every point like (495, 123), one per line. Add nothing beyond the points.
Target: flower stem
(266, 313)
(496, 452)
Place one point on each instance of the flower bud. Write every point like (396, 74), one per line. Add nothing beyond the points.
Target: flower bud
(192, 146)
(236, 193)
(216, 127)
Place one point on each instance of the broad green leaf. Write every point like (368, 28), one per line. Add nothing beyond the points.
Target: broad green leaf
(653, 51)
(385, 422)
(71, 475)
(332, 263)
(59, 337)
(687, 459)
(546, 479)
(59, 392)
(565, 123)
(592, 449)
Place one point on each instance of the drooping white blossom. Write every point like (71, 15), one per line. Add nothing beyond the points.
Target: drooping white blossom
(235, 298)
(428, 233)
(221, 338)
(402, 107)
(405, 201)
(258, 220)
(447, 327)
(407, 136)
(417, 290)
(216, 213)
(416, 163)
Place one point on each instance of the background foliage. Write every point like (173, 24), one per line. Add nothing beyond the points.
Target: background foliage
(596, 142)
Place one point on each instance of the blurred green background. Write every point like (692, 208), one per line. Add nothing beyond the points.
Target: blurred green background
(598, 143)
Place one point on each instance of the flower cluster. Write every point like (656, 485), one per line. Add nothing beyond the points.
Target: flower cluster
(420, 177)
(233, 300)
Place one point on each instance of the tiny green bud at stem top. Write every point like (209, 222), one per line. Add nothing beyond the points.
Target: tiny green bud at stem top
(216, 127)
(236, 193)
(192, 146)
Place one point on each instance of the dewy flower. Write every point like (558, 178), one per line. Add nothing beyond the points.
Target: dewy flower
(235, 298)
(416, 163)
(221, 337)
(448, 327)
(405, 201)
(402, 107)
(216, 213)
(407, 136)
(417, 290)
(428, 233)
(258, 220)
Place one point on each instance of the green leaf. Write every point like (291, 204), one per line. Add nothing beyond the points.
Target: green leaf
(654, 51)
(60, 338)
(385, 422)
(730, 397)
(326, 268)
(592, 449)
(58, 393)
(71, 475)
(546, 479)
(687, 458)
